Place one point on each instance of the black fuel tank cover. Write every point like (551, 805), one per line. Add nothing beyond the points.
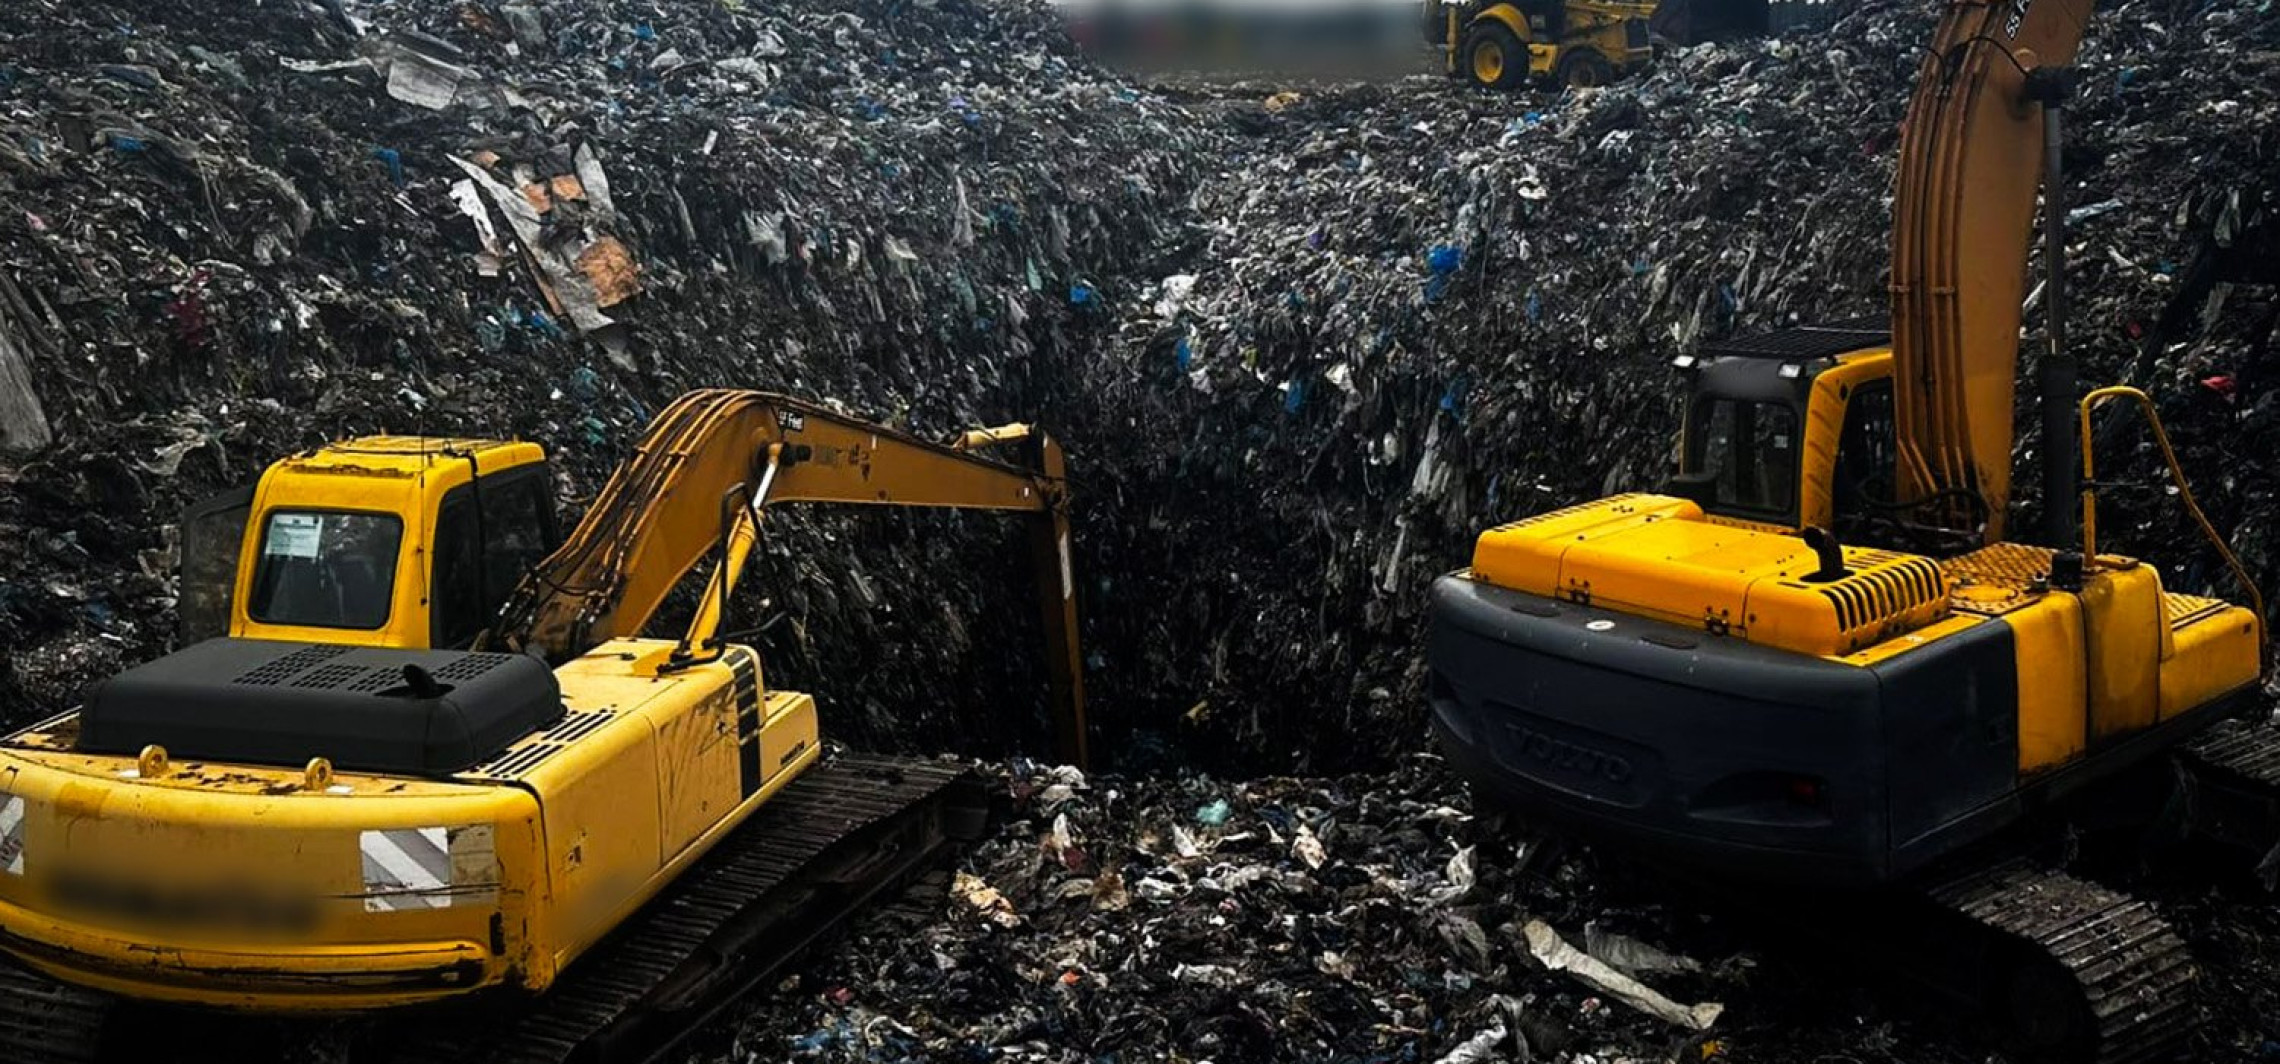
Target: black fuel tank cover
(366, 709)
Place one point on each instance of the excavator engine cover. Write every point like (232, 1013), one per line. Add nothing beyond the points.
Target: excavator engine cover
(269, 702)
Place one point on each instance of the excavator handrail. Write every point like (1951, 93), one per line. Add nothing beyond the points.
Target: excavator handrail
(2088, 406)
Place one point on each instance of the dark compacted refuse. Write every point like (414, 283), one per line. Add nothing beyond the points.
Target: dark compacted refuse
(1303, 342)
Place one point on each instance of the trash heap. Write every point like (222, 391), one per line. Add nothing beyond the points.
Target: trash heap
(1421, 312)
(232, 231)
(1303, 342)
(1366, 918)
(1370, 917)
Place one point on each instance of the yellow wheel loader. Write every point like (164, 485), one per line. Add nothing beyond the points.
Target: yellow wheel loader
(1505, 44)
(434, 759)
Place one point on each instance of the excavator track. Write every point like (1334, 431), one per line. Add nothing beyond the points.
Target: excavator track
(819, 852)
(850, 832)
(2232, 778)
(2086, 973)
(45, 1020)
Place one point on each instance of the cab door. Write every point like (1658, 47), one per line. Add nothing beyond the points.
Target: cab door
(212, 536)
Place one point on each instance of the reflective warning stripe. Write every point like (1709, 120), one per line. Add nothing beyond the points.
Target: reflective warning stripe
(410, 869)
(746, 671)
(12, 834)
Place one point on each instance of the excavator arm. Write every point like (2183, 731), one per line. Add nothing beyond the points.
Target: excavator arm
(1970, 159)
(695, 489)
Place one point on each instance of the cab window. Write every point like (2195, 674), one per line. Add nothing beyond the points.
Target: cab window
(1749, 453)
(478, 562)
(325, 569)
(1867, 450)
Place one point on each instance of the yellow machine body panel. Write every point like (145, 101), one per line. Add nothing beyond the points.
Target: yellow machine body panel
(236, 885)
(1661, 557)
(400, 482)
(2113, 659)
(1525, 555)
(655, 770)
(252, 887)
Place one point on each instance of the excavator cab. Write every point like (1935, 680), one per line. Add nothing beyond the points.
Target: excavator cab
(385, 541)
(1792, 429)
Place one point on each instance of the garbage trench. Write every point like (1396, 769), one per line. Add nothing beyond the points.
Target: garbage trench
(1302, 342)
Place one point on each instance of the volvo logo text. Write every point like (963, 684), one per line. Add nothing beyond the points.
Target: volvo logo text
(1570, 757)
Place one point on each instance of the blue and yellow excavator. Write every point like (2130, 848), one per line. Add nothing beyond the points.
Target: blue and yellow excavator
(1817, 663)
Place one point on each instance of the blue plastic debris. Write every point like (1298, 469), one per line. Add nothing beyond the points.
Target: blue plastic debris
(643, 32)
(394, 161)
(1294, 395)
(126, 145)
(1082, 295)
(1215, 813)
(546, 326)
(1535, 306)
(1453, 397)
(1182, 353)
(1443, 261)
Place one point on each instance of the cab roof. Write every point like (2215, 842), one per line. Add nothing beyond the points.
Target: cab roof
(411, 454)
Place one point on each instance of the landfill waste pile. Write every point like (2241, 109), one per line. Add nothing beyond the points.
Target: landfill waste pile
(1368, 917)
(1303, 342)
(235, 230)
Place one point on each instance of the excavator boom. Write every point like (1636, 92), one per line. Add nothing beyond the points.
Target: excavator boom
(695, 487)
(1970, 161)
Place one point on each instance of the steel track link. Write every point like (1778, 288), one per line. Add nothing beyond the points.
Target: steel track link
(45, 1020)
(2232, 790)
(2241, 750)
(811, 857)
(2132, 972)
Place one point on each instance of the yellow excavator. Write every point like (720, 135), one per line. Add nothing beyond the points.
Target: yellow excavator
(434, 759)
(1506, 44)
(1816, 662)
